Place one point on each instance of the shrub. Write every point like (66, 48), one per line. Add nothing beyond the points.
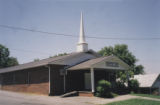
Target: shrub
(133, 84)
(104, 89)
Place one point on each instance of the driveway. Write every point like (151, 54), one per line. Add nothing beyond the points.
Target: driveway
(13, 98)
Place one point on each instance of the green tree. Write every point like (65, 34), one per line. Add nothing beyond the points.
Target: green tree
(5, 59)
(133, 85)
(122, 51)
(139, 69)
(61, 54)
(37, 59)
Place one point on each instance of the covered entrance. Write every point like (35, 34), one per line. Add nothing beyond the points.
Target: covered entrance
(84, 76)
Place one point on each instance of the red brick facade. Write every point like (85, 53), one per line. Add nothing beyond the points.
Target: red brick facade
(31, 80)
(41, 88)
(87, 94)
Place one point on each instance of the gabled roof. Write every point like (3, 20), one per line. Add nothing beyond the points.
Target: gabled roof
(60, 60)
(146, 80)
(100, 63)
(87, 64)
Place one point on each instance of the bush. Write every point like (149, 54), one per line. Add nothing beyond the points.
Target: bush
(104, 89)
(133, 84)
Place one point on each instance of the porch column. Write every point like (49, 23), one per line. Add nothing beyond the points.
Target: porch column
(92, 80)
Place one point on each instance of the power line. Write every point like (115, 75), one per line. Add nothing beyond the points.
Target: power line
(69, 35)
(32, 30)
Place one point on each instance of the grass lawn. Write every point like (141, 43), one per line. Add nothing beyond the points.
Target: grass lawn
(135, 102)
(147, 95)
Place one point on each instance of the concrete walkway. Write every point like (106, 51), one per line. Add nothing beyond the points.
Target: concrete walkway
(109, 100)
(13, 98)
(120, 98)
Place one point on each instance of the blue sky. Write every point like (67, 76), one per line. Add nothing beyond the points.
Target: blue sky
(102, 18)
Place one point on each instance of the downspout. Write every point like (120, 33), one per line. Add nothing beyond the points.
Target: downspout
(49, 70)
(64, 78)
(28, 81)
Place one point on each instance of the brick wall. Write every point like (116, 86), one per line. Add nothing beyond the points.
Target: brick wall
(41, 88)
(87, 94)
(31, 80)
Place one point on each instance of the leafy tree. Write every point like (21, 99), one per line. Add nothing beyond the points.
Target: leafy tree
(61, 54)
(121, 51)
(5, 59)
(123, 76)
(37, 59)
(139, 69)
(12, 61)
(133, 85)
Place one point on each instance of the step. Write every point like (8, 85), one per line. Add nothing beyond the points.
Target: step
(86, 93)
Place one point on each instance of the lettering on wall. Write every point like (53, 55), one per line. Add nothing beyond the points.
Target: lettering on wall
(112, 64)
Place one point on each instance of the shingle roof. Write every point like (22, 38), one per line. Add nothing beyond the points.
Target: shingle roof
(60, 60)
(88, 64)
(146, 80)
(33, 64)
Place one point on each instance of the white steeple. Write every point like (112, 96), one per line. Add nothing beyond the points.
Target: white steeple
(82, 46)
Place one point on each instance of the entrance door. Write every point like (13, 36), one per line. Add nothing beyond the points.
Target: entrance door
(87, 81)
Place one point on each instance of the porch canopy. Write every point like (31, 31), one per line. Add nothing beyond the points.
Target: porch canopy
(112, 63)
(108, 62)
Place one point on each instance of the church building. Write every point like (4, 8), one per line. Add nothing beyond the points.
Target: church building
(78, 71)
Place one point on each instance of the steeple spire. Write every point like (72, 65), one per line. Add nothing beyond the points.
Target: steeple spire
(82, 46)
